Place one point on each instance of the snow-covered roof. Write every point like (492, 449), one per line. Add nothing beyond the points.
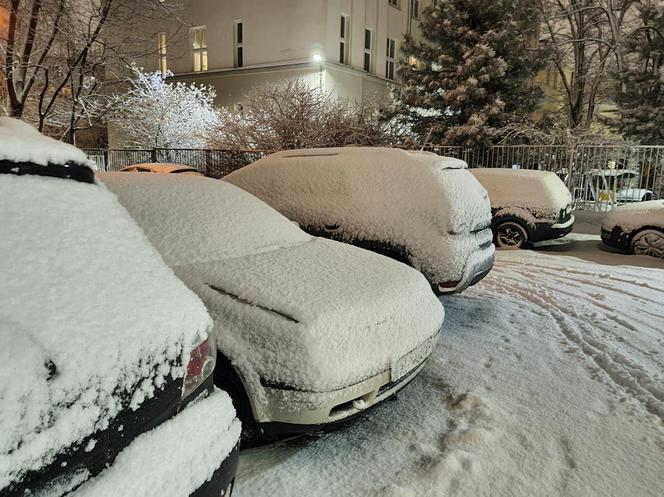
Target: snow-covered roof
(20, 142)
(412, 200)
(636, 215)
(540, 192)
(288, 307)
(201, 219)
(89, 313)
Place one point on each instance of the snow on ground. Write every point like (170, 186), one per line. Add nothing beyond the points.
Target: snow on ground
(548, 380)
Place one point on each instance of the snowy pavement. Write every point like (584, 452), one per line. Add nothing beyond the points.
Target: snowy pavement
(548, 380)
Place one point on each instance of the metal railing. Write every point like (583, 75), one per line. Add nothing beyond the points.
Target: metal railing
(598, 176)
(210, 162)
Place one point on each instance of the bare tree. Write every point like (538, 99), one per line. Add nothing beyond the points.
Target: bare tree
(587, 41)
(295, 115)
(57, 55)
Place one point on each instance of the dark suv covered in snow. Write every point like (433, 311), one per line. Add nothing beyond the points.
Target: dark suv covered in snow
(102, 347)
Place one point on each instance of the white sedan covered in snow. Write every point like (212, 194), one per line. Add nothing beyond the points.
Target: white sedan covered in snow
(310, 331)
(417, 207)
(636, 228)
(527, 206)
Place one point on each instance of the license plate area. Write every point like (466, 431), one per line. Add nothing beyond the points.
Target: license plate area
(412, 359)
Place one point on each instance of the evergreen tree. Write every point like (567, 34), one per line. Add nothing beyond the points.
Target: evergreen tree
(642, 101)
(471, 73)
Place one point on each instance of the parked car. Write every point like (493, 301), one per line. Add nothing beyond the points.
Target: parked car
(310, 331)
(627, 195)
(636, 228)
(416, 207)
(102, 347)
(527, 206)
(158, 167)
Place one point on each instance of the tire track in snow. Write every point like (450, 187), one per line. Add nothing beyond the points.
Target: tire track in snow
(582, 320)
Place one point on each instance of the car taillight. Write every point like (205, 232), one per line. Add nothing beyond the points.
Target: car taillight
(201, 364)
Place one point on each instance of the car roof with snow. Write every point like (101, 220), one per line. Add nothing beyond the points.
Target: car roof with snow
(90, 314)
(534, 190)
(203, 219)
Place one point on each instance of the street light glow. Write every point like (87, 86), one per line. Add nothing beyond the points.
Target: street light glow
(318, 58)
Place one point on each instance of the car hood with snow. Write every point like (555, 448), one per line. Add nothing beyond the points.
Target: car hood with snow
(538, 194)
(288, 307)
(637, 215)
(87, 323)
(423, 206)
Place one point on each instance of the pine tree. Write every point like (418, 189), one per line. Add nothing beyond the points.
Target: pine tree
(642, 101)
(473, 72)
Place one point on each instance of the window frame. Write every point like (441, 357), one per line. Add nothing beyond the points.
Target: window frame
(162, 51)
(390, 58)
(394, 3)
(238, 43)
(369, 51)
(344, 39)
(415, 9)
(200, 53)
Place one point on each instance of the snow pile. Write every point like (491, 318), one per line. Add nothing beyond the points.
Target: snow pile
(637, 215)
(20, 142)
(89, 313)
(174, 459)
(548, 382)
(288, 307)
(418, 201)
(540, 193)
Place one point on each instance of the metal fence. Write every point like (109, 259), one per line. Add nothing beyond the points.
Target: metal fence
(212, 163)
(598, 176)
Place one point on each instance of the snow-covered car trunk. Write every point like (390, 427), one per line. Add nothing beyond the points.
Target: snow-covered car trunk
(527, 206)
(292, 312)
(96, 332)
(637, 227)
(418, 207)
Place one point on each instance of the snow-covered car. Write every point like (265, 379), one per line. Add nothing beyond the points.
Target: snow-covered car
(101, 346)
(310, 331)
(527, 206)
(162, 168)
(416, 207)
(637, 228)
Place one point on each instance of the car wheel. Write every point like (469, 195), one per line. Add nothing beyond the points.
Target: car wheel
(648, 242)
(511, 234)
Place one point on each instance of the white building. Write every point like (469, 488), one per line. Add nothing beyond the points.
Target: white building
(349, 47)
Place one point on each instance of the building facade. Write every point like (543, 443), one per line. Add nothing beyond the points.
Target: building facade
(347, 47)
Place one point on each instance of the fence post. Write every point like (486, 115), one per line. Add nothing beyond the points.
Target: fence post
(105, 155)
(153, 155)
(570, 165)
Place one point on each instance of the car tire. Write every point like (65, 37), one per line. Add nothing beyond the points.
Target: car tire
(648, 242)
(510, 234)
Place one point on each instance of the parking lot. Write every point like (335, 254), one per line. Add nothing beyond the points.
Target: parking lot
(547, 380)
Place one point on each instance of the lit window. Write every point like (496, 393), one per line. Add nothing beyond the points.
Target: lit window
(343, 40)
(415, 9)
(239, 43)
(413, 62)
(390, 58)
(368, 50)
(161, 48)
(199, 48)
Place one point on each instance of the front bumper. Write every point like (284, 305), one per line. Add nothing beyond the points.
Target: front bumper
(294, 412)
(478, 266)
(615, 238)
(551, 231)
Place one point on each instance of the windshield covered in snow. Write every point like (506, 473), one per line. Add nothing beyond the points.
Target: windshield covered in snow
(193, 219)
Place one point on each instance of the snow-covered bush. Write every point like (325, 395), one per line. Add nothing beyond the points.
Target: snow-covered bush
(295, 115)
(156, 113)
